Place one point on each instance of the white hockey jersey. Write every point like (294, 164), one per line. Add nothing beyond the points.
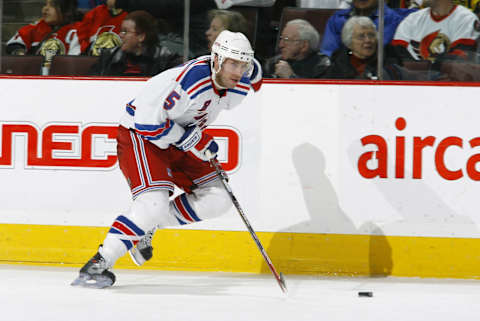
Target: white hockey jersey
(426, 36)
(183, 96)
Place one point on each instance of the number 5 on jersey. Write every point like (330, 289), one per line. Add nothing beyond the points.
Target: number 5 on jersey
(170, 100)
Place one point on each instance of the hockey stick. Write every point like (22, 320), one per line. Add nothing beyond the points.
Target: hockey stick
(223, 177)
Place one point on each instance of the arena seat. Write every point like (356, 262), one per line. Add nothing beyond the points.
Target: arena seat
(251, 14)
(21, 65)
(71, 65)
(421, 65)
(460, 71)
(417, 70)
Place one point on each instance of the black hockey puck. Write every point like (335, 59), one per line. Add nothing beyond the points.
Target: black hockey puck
(365, 294)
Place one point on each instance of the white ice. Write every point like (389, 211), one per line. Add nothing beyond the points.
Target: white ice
(43, 293)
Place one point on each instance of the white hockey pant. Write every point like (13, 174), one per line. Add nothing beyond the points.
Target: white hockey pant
(153, 209)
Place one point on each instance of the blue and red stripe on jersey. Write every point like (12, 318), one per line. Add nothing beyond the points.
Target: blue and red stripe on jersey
(206, 179)
(130, 108)
(196, 78)
(154, 132)
(187, 66)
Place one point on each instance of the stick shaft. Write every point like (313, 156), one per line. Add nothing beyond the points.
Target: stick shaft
(221, 175)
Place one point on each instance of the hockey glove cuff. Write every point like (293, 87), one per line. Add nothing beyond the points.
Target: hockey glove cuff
(198, 143)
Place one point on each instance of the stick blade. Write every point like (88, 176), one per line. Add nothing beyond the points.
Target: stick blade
(282, 284)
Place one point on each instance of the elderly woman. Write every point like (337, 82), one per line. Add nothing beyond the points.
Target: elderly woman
(358, 57)
(225, 20)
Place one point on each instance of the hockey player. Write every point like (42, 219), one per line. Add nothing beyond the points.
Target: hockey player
(162, 143)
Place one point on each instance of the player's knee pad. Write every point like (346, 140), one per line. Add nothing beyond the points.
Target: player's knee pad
(217, 200)
(149, 209)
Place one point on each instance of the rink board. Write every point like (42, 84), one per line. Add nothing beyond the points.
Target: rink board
(232, 251)
(336, 178)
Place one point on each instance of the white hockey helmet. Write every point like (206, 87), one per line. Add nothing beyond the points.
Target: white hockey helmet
(232, 45)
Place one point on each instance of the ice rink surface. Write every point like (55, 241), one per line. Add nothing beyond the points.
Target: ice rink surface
(43, 293)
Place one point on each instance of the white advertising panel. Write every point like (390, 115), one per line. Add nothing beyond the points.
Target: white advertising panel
(343, 159)
(58, 152)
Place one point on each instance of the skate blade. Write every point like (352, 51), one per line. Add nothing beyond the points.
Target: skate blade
(96, 281)
(136, 256)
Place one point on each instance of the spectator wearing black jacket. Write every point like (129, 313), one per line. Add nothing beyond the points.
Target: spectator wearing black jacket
(140, 53)
(299, 56)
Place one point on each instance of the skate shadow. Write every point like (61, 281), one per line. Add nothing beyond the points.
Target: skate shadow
(170, 289)
(212, 284)
(326, 217)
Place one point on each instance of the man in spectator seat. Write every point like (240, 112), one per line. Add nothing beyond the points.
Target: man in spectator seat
(299, 56)
(140, 53)
(444, 31)
(357, 59)
(367, 8)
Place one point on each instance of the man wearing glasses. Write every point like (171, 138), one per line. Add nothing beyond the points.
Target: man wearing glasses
(299, 56)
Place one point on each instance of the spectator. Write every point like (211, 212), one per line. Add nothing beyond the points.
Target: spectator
(444, 31)
(357, 58)
(100, 28)
(473, 5)
(299, 56)
(55, 33)
(225, 20)
(172, 11)
(140, 53)
(368, 8)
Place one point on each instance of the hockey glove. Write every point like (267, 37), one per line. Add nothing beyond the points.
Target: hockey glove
(198, 143)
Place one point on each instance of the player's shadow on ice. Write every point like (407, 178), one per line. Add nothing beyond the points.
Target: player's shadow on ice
(326, 218)
(158, 283)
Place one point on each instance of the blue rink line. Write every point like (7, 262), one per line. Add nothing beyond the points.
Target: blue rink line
(43, 293)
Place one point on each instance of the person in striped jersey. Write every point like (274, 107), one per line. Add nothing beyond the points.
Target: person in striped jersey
(162, 143)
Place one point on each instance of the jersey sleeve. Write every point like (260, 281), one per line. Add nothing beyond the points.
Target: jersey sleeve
(256, 77)
(465, 36)
(402, 37)
(155, 110)
(24, 37)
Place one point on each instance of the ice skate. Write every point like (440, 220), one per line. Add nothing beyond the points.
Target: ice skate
(95, 274)
(144, 250)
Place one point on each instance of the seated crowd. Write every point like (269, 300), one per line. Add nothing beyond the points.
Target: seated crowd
(143, 38)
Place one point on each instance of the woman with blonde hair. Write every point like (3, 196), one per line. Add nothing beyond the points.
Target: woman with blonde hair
(225, 20)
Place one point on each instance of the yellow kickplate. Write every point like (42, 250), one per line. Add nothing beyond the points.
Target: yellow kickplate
(230, 251)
